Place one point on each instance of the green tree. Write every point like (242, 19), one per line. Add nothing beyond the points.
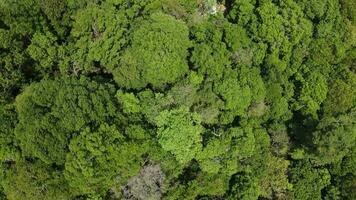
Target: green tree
(8, 120)
(130, 103)
(308, 181)
(34, 180)
(244, 187)
(220, 155)
(97, 158)
(45, 50)
(57, 12)
(179, 132)
(239, 89)
(208, 44)
(165, 36)
(341, 94)
(98, 34)
(313, 93)
(334, 138)
(58, 110)
(177, 99)
(19, 20)
(348, 9)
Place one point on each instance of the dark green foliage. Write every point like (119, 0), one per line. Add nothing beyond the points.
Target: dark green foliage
(56, 11)
(308, 181)
(177, 99)
(221, 154)
(239, 89)
(8, 120)
(34, 180)
(165, 36)
(17, 23)
(97, 158)
(209, 45)
(312, 94)
(98, 36)
(341, 92)
(348, 10)
(45, 51)
(59, 110)
(335, 137)
(243, 187)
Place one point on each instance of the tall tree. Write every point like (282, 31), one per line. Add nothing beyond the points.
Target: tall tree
(165, 36)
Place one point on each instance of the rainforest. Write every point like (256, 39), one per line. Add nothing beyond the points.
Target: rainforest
(177, 99)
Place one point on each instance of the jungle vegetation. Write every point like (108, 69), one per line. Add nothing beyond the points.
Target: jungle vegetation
(177, 99)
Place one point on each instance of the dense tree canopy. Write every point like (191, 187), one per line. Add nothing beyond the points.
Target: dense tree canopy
(168, 38)
(177, 99)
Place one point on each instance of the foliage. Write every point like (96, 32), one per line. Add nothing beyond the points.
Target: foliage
(165, 36)
(334, 138)
(308, 181)
(8, 118)
(179, 132)
(97, 158)
(45, 51)
(34, 180)
(58, 110)
(244, 187)
(177, 99)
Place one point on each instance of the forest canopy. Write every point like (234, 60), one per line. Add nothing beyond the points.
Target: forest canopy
(177, 99)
